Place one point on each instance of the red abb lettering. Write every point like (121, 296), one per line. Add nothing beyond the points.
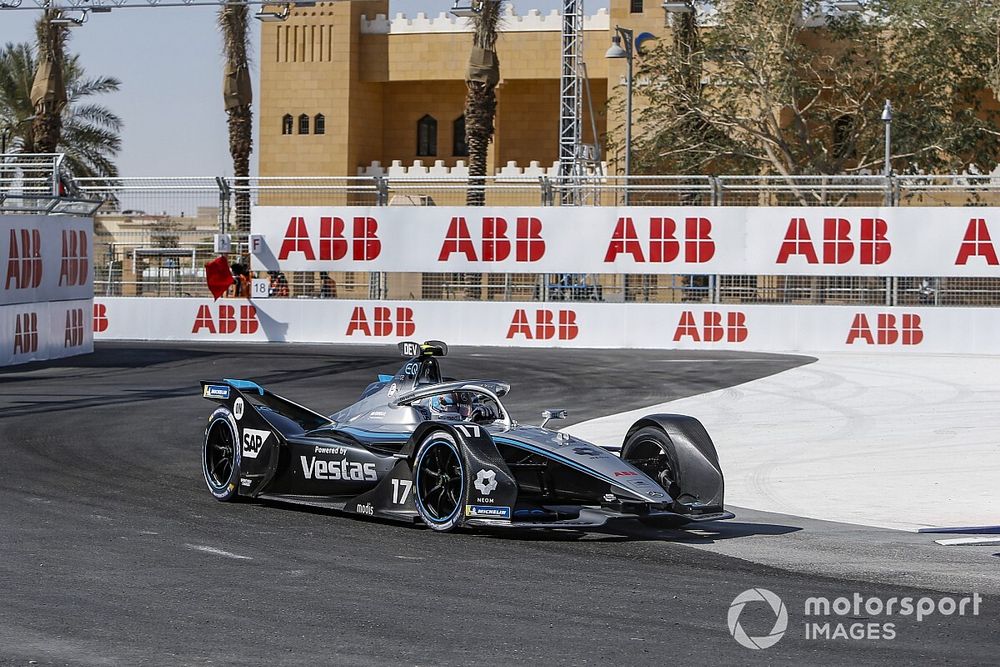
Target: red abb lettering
(838, 246)
(977, 243)
(74, 266)
(227, 321)
(381, 322)
(545, 325)
(73, 336)
(24, 263)
(529, 246)
(333, 243)
(100, 318)
(664, 246)
(26, 333)
(909, 331)
(715, 328)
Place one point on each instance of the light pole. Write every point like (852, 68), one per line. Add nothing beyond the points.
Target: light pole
(887, 119)
(625, 36)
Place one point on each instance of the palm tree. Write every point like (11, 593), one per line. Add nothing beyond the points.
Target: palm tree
(48, 92)
(238, 96)
(481, 81)
(89, 134)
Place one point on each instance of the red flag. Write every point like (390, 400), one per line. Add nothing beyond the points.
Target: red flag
(218, 276)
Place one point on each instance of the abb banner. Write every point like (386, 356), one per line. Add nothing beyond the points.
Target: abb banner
(689, 240)
(45, 258)
(38, 331)
(596, 325)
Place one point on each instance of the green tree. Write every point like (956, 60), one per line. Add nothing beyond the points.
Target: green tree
(238, 97)
(481, 79)
(89, 134)
(775, 87)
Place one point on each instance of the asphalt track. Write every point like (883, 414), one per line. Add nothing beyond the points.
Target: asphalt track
(112, 551)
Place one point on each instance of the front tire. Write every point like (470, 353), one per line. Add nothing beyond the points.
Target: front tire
(650, 450)
(220, 457)
(440, 481)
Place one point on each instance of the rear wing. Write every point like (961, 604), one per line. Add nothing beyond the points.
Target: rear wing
(285, 416)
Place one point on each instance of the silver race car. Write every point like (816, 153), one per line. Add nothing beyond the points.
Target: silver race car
(420, 447)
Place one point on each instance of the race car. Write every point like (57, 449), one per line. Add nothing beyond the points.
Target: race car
(418, 447)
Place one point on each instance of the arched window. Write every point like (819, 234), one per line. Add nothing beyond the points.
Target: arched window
(286, 124)
(319, 124)
(458, 145)
(303, 124)
(427, 136)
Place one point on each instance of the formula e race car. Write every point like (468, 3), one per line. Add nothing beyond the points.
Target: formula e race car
(419, 447)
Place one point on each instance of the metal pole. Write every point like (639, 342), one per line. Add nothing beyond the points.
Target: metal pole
(628, 115)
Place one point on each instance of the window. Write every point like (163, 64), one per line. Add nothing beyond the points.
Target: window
(636, 7)
(286, 124)
(458, 146)
(303, 124)
(319, 124)
(427, 140)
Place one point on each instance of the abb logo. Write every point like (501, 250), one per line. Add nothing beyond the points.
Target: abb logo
(838, 246)
(227, 321)
(715, 327)
(74, 333)
(24, 264)
(75, 264)
(26, 333)
(528, 243)
(381, 322)
(663, 245)
(333, 243)
(908, 331)
(100, 318)
(548, 324)
(977, 243)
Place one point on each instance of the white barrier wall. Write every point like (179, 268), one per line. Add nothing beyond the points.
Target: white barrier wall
(806, 329)
(46, 287)
(942, 241)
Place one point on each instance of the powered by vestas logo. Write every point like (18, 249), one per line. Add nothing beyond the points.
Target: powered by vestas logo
(780, 618)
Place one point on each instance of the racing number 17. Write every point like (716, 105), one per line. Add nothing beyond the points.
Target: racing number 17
(400, 491)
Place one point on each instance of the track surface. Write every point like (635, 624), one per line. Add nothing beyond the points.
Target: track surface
(112, 552)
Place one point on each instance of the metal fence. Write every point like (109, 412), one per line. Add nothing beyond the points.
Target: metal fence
(154, 235)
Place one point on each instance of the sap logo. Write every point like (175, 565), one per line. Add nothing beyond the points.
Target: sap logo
(663, 245)
(548, 325)
(528, 243)
(26, 333)
(100, 318)
(381, 323)
(75, 264)
(74, 333)
(333, 244)
(253, 440)
(713, 330)
(838, 247)
(977, 243)
(227, 320)
(886, 332)
(314, 468)
(24, 264)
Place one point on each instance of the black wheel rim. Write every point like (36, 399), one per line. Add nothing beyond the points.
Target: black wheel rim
(220, 454)
(657, 466)
(439, 481)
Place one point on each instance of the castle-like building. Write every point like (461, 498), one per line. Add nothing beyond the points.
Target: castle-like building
(347, 90)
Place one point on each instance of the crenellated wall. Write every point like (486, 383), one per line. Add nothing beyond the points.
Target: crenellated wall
(419, 170)
(532, 21)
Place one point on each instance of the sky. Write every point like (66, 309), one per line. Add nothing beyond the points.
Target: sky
(170, 64)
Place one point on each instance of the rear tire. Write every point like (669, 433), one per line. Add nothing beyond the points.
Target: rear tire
(220, 457)
(439, 481)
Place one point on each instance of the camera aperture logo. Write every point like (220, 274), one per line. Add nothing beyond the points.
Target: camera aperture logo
(780, 621)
